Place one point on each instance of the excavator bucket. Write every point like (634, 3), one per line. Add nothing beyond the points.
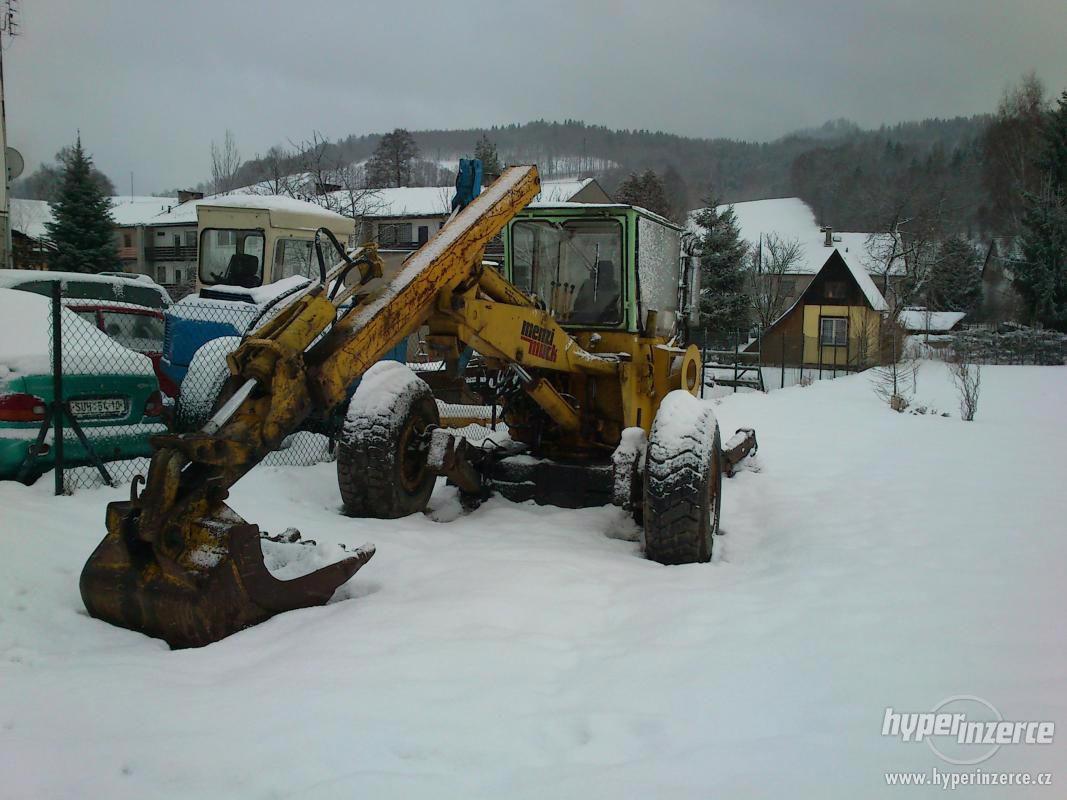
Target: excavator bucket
(199, 587)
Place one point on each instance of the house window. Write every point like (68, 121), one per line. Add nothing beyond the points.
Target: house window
(835, 290)
(394, 234)
(190, 238)
(177, 276)
(424, 234)
(127, 240)
(833, 331)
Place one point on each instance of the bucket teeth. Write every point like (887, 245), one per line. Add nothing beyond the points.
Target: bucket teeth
(199, 584)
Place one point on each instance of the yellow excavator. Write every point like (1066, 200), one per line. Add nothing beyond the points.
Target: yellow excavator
(594, 382)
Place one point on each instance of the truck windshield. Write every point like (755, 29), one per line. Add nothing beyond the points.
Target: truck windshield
(574, 268)
(231, 257)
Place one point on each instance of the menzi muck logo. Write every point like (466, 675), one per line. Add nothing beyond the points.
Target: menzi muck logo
(539, 341)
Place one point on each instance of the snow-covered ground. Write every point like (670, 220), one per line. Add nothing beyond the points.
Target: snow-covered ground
(875, 560)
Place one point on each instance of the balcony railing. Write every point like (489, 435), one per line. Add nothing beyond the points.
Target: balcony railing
(127, 254)
(390, 244)
(494, 246)
(170, 253)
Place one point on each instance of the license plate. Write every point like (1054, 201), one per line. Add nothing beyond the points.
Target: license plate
(105, 407)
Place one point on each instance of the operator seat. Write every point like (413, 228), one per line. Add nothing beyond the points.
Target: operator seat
(604, 307)
(243, 270)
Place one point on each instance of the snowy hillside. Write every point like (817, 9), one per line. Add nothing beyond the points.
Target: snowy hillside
(875, 560)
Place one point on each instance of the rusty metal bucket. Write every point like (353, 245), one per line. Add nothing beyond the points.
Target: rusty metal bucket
(200, 583)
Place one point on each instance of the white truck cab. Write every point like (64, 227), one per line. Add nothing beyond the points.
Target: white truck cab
(248, 241)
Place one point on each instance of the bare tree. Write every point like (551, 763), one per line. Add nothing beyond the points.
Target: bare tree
(277, 175)
(225, 162)
(968, 379)
(325, 178)
(1008, 145)
(903, 253)
(769, 264)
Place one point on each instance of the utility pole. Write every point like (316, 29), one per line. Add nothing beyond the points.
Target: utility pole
(8, 31)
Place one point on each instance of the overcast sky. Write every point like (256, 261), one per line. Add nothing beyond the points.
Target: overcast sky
(151, 83)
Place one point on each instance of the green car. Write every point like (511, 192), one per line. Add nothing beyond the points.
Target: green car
(111, 391)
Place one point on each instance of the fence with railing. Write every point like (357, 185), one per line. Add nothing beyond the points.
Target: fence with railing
(765, 360)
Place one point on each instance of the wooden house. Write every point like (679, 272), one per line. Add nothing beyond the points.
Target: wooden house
(837, 321)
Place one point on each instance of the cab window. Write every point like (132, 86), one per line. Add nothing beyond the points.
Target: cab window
(293, 257)
(231, 257)
(574, 268)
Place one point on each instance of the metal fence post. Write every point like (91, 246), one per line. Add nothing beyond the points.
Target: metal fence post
(782, 383)
(57, 383)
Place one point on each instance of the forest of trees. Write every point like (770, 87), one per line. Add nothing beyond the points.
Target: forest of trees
(841, 170)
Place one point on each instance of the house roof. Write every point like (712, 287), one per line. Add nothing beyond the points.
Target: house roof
(30, 216)
(435, 201)
(919, 319)
(863, 280)
(791, 218)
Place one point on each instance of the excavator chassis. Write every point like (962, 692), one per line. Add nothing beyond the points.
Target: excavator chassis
(179, 564)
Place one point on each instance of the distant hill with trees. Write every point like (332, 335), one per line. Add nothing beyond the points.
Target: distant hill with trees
(829, 166)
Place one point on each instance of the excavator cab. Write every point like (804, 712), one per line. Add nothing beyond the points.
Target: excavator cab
(603, 267)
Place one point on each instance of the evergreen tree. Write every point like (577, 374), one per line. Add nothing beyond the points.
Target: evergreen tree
(954, 282)
(83, 231)
(645, 190)
(485, 151)
(724, 305)
(1041, 275)
(393, 160)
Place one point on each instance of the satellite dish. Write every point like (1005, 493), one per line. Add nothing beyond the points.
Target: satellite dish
(15, 163)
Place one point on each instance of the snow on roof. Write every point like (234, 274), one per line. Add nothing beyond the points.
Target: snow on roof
(411, 201)
(863, 280)
(791, 218)
(134, 210)
(185, 214)
(29, 217)
(559, 191)
(920, 319)
(434, 201)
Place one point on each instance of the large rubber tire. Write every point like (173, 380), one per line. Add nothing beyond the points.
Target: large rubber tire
(203, 383)
(381, 454)
(682, 482)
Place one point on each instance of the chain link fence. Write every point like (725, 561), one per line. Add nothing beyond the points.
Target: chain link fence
(99, 399)
(763, 360)
(114, 380)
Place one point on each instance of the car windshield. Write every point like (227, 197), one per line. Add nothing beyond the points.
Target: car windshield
(231, 257)
(574, 268)
(140, 332)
